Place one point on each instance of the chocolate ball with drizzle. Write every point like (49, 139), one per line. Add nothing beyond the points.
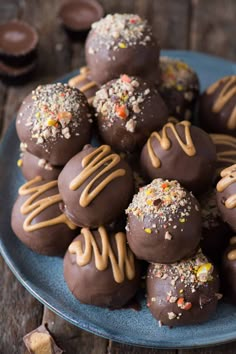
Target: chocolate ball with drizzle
(228, 271)
(37, 220)
(183, 293)
(215, 232)
(179, 87)
(217, 107)
(164, 222)
(226, 196)
(54, 122)
(96, 186)
(100, 269)
(122, 43)
(181, 151)
(85, 84)
(128, 110)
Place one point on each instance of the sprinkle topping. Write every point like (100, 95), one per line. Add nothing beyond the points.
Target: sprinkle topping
(56, 111)
(120, 31)
(163, 200)
(122, 99)
(177, 74)
(192, 272)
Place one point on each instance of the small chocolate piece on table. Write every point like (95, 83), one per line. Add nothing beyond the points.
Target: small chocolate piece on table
(18, 43)
(40, 341)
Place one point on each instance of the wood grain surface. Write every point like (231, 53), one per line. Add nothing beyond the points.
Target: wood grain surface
(203, 25)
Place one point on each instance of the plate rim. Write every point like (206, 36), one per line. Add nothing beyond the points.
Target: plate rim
(84, 324)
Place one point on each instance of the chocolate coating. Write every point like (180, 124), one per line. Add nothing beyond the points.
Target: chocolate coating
(194, 170)
(52, 240)
(18, 43)
(32, 166)
(98, 287)
(99, 212)
(170, 294)
(179, 87)
(122, 43)
(217, 106)
(215, 232)
(15, 75)
(85, 84)
(164, 222)
(229, 271)
(228, 214)
(54, 122)
(128, 110)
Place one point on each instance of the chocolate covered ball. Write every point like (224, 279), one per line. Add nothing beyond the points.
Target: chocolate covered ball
(215, 232)
(54, 122)
(183, 293)
(100, 269)
(225, 151)
(183, 152)
(128, 110)
(96, 186)
(31, 167)
(164, 222)
(122, 43)
(37, 220)
(228, 271)
(226, 196)
(179, 87)
(217, 108)
(85, 84)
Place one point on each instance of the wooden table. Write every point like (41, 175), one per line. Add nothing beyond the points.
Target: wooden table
(185, 24)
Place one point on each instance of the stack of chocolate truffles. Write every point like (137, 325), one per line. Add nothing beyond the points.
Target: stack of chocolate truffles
(140, 198)
(18, 50)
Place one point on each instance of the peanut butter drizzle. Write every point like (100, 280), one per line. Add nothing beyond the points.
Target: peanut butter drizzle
(232, 255)
(165, 142)
(224, 96)
(74, 81)
(101, 157)
(34, 208)
(121, 267)
(228, 177)
(228, 156)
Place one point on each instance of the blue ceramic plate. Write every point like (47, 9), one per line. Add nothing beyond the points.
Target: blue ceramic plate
(43, 278)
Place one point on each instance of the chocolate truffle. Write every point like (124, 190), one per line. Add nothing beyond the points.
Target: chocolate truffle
(215, 233)
(96, 186)
(37, 220)
(100, 269)
(54, 122)
(226, 196)
(229, 271)
(128, 110)
(183, 293)
(18, 43)
(181, 151)
(85, 84)
(164, 222)
(179, 87)
(217, 108)
(122, 43)
(225, 151)
(31, 167)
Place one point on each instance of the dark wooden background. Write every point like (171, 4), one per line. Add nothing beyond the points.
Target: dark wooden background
(202, 25)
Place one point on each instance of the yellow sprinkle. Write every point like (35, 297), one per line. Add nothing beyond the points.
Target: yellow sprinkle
(51, 122)
(148, 231)
(37, 115)
(181, 291)
(19, 163)
(179, 87)
(204, 271)
(148, 192)
(149, 202)
(182, 220)
(181, 65)
(122, 45)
